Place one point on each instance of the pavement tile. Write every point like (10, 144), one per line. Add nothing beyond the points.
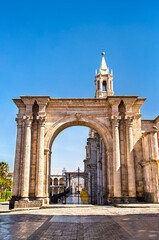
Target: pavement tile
(81, 224)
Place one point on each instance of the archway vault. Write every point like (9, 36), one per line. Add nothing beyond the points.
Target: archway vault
(78, 120)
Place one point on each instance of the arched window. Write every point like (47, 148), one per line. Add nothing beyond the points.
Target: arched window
(55, 181)
(104, 85)
(61, 181)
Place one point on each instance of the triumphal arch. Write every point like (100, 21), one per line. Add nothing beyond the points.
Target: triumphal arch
(131, 144)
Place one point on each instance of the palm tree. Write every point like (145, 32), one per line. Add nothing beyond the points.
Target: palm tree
(4, 169)
(4, 182)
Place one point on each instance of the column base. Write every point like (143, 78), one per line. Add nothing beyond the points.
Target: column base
(39, 198)
(132, 199)
(21, 203)
(125, 199)
(117, 199)
(45, 200)
(24, 199)
(12, 201)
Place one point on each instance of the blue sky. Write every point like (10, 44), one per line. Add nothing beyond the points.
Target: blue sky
(53, 48)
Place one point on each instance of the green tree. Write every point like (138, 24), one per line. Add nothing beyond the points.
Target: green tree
(5, 183)
(4, 169)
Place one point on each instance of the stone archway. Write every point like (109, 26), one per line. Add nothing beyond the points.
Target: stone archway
(41, 118)
(100, 128)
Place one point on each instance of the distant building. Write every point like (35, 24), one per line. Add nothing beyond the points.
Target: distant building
(57, 184)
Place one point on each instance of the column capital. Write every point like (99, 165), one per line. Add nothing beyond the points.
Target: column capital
(28, 120)
(93, 166)
(115, 120)
(129, 120)
(19, 121)
(41, 120)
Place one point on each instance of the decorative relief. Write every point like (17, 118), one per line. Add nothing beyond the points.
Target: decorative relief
(78, 116)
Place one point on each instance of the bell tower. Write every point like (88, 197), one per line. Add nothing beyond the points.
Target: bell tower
(103, 80)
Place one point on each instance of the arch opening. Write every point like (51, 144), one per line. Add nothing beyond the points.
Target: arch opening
(94, 194)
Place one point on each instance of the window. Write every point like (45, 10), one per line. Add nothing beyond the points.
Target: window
(104, 85)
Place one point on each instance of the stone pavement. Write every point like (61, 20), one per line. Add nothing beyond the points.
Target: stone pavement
(96, 222)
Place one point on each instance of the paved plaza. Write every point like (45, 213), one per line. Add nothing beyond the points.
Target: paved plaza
(80, 223)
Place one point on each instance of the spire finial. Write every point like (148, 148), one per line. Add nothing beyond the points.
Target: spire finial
(103, 65)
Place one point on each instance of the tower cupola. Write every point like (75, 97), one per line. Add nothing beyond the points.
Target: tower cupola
(103, 80)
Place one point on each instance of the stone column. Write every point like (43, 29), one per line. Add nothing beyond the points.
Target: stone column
(101, 84)
(26, 158)
(108, 84)
(94, 183)
(98, 174)
(154, 145)
(47, 175)
(116, 158)
(17, 158)
(104, 173)
(40, 160)
(130, 158)
(89, 185)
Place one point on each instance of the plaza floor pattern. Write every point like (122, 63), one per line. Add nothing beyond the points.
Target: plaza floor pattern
(96, 222)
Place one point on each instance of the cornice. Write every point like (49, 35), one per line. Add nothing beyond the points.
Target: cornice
(18, 102)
